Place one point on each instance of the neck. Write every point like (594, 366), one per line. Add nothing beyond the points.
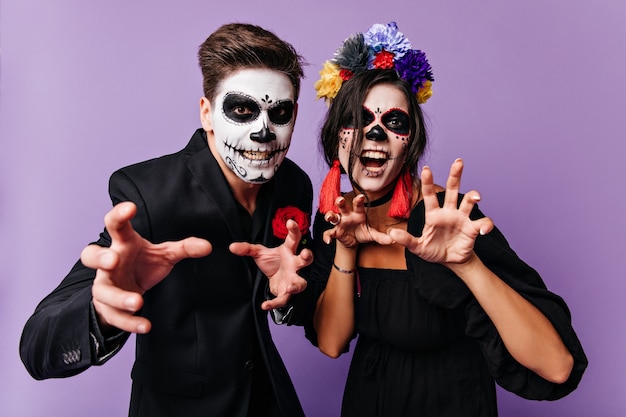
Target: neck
(245, 193)
(381, 200)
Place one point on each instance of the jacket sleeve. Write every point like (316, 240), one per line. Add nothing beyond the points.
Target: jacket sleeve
(62, 337)
(495, 252)
(442, 287)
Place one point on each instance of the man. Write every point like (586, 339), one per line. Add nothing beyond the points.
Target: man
(166, 267)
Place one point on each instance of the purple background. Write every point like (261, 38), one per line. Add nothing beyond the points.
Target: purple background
(529, 92)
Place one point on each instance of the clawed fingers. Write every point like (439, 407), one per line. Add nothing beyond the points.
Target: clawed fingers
(329, 235)
(358, 203)
(298, 285)
(116, 307)
(97, 257)
(485, 225)
(403, 238)
(453, 184)
(293, 235)
(428, 189)
(193, 247)
(306, 257)
(277, 302)
(332, 218)
(123, 320)
(469, 201)
(117, 221)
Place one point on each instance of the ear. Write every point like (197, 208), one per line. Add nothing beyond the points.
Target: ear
(205, 114)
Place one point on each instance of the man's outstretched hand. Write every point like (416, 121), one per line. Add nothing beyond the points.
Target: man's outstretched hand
(131, 266)
(280, 265)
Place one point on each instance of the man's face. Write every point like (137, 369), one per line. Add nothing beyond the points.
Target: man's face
(252, 120)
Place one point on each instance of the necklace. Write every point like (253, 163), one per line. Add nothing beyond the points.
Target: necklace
(380, 201)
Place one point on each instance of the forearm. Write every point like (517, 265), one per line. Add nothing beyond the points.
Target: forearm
(55, 341)
(334, 314)
(527, 334)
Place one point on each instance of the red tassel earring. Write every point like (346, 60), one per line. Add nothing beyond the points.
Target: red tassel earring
(331, 188)
(401, 200)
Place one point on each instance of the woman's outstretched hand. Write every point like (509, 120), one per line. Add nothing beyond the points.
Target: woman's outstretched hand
(449, 234)
(350, 225)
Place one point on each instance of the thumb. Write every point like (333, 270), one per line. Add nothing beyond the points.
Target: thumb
(192, 247)
(403, 238)
(243, 249)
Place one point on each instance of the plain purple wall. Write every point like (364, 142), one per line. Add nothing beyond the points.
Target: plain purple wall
(529, 92)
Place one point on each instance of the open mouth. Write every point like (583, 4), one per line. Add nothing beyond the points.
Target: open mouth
(257, 155)
(374, 161)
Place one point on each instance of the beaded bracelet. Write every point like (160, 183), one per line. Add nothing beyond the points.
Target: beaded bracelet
(343, 271)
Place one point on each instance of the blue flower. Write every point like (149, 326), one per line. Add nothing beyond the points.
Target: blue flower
(387, 37)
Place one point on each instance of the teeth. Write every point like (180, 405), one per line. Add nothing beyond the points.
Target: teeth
(374, 155)
(256, 155)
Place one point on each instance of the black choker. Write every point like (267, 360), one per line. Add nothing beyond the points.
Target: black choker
(382, 200)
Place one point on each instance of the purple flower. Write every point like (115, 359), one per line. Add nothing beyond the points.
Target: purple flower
(414, 68)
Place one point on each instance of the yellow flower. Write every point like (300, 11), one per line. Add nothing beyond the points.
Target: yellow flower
(424, 92)
(329, 83)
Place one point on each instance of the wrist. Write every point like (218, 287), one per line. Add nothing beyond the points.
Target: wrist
(466, 269)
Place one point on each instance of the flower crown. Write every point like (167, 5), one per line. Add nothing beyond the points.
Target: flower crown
(381, 47)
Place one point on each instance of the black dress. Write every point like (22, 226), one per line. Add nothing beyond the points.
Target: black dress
(425, 346)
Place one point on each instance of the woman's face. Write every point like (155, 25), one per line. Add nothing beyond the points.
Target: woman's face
(386, 137)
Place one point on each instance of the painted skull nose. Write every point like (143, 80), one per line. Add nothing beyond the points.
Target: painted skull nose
(377, 134)
(263, 136)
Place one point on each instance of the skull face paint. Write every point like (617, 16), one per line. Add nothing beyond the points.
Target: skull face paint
(386, 136)
(253, 119)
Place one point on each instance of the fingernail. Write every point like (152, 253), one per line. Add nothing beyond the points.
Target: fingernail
(141, 328)
(129, 302)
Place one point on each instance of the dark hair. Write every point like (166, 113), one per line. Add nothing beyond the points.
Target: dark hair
(238, 45)
(346, 108)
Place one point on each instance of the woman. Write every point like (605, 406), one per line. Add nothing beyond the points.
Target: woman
(441, 304)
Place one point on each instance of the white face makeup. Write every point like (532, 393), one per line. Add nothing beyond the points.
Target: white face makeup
(386, 138)
(252, 121)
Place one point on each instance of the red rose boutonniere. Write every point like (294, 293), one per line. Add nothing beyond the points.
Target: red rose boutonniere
(279, 223)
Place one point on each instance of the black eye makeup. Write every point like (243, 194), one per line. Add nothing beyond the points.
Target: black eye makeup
(281, 113)
(240, 108)
(368, 116)
(397, 121)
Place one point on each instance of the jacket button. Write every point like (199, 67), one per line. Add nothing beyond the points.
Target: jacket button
(71, 356)
(249, 365)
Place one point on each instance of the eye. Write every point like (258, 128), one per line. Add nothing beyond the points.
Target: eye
(368, 116)
(240, 108)
(397, 121)
(281, 113)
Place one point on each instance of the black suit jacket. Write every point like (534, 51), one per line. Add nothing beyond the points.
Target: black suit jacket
(209, 337)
